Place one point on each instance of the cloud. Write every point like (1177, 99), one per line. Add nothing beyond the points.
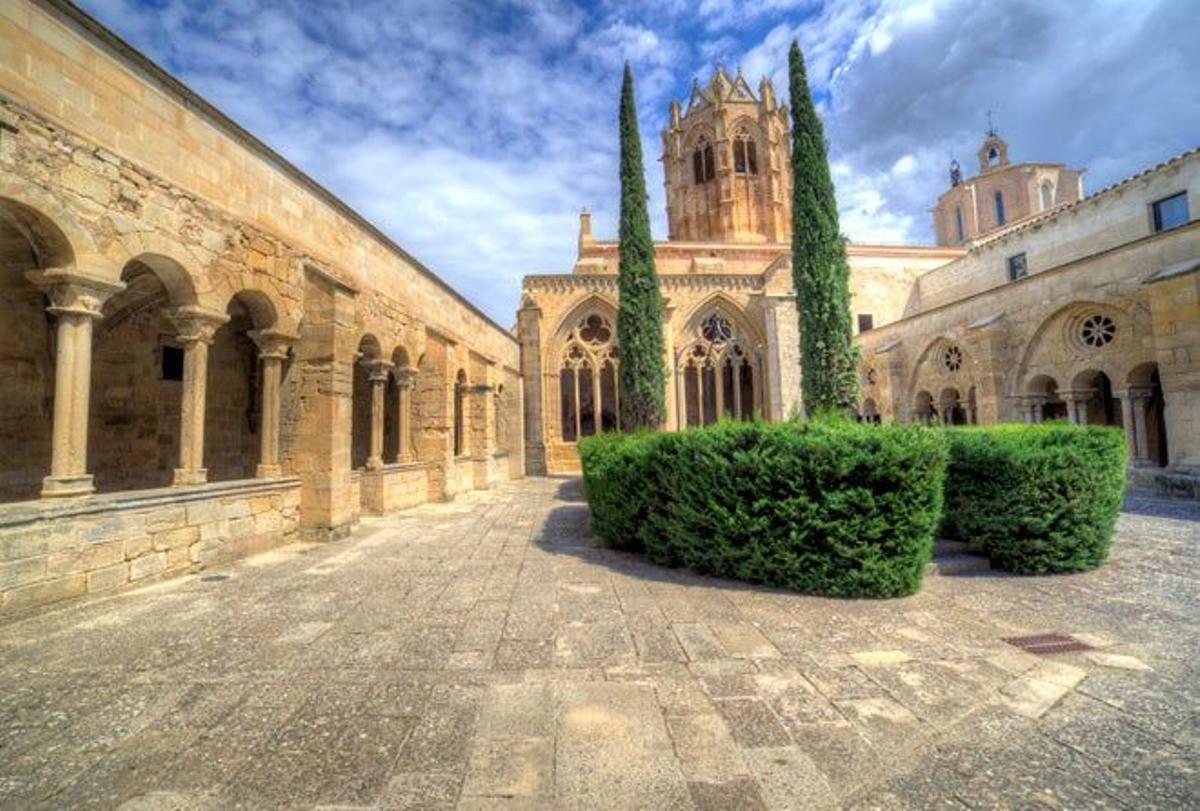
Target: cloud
(473, 131)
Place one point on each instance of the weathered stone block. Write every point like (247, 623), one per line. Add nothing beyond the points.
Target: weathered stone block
(176, 538)
(45, 592)
(21, 572)
(137, 546)
(148, 565)
(110, 577)
(167, 518)
(26, 543)
(202, 512)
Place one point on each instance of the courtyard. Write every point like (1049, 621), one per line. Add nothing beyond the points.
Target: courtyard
(488, 652)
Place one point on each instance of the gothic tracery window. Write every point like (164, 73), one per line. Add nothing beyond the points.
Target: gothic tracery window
(703, 166)
(587, 380)
(745, 154)
(719, 375)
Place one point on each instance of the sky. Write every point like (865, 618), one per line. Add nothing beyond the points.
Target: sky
(473, 131)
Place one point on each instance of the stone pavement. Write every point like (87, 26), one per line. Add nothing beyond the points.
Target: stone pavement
(487, 653)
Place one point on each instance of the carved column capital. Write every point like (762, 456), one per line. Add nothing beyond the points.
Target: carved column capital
(272, 344)
(377, 369)
(196, 324)
(406, 377)
(72, 292)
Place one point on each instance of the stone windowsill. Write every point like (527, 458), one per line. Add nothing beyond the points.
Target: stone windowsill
(24, 512)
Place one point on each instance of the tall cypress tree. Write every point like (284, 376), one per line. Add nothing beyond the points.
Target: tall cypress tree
(821, 275)
(639, 314)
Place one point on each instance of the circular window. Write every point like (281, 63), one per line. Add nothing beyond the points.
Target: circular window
(1097, 331)
(952, 358)
(716, 329)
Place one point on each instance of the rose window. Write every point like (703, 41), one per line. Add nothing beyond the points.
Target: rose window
(952, 359)
(1097, 331)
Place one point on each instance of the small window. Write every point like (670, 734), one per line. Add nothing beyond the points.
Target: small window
(1171, 212)
(1047, 195)
(1018, 268)
(959, 223)
(866, 322)
(172, 363)
(1000, 218)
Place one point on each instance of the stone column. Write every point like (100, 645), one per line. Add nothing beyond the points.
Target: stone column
(196, 329)
(272, 351)
(405, 380)
(76, 301)
(1077, 404)
(1135, 403)
(378, 375)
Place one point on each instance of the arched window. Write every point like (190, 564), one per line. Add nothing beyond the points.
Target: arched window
(745, 156)
(587, 380)
(719, 375)
(1047, 194)
(460, 397)
(999, 198)
(703, 167)
(958, 222)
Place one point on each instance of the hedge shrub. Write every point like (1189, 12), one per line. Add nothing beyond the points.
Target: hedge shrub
(1040, 498)
(825, 507)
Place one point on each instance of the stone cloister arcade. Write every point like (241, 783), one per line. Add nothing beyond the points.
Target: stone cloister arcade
(1087, 363)
(187, 381)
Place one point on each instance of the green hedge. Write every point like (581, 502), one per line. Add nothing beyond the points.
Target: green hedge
(824, 507)
(1038, 498)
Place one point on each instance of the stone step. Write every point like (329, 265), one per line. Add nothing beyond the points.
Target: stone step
(958, 564)
(945, 546)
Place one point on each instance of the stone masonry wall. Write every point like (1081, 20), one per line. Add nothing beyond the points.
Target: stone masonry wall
(53, 552)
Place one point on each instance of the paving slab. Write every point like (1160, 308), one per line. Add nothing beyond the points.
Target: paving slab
(490, 653)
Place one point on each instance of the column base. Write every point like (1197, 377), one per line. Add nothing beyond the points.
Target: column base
(67, 486)
(374, 464)
(268, 471)
(184, 476)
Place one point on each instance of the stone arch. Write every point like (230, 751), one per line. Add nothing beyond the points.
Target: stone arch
(1054, 347)
(1144, 392)
(718, 363)
(932, 369)
(923, 408)
(582, 386)
(31, 242)
(728, 307)
(369, 354)
(593, 302)
(180, 271)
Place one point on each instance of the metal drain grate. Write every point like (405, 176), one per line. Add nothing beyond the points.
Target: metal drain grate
(1044, 644)
(213, 578)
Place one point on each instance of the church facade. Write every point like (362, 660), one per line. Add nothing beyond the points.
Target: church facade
(1036, 302)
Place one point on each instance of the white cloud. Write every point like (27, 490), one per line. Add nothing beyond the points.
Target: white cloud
(473, 131)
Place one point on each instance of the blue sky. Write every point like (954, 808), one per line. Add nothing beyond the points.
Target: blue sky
(473, 131)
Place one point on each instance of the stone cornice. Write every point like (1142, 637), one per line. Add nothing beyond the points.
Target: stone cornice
(567, 282)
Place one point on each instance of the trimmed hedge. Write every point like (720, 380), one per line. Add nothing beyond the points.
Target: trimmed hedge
(1040, 498)
(824, 507)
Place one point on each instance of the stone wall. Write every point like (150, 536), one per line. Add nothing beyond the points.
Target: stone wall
(396, 487)
(51, 552)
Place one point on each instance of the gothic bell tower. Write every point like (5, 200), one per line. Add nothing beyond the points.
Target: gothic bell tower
(726, 164)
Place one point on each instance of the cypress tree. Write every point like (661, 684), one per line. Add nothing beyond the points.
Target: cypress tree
(639, 312)
(821, 275)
